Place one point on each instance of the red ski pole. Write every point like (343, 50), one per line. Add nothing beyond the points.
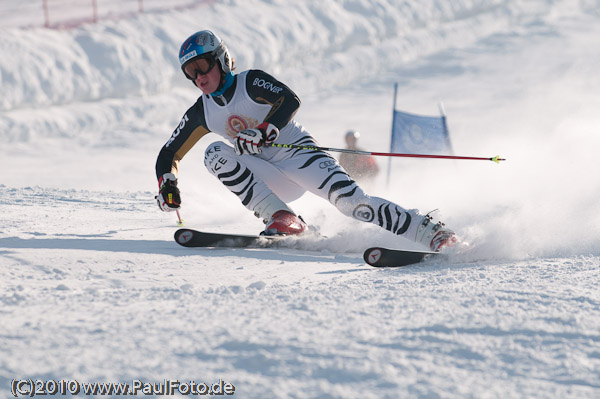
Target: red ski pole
(179, 219)
(496, 159)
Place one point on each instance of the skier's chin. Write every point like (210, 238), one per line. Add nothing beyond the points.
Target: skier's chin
(206, 89)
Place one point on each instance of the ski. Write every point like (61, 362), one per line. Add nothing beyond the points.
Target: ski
(376, 256)
(386, 257)
(195, 238)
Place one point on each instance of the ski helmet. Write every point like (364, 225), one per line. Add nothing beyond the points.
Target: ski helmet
(205, 44)
(352, 133)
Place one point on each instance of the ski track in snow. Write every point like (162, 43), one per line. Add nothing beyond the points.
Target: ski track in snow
(95, 289)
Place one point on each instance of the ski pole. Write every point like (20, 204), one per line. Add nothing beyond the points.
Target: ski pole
(179, 219)
(496, 159)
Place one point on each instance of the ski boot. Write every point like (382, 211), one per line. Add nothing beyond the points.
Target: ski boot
(284, 223)
(434, 236)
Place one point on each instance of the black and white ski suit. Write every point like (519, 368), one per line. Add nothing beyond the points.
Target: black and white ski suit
(257, 97)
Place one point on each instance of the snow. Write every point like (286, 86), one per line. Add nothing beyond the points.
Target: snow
(95, 289)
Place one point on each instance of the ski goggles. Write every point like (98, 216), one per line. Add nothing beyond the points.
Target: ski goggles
(198, 66)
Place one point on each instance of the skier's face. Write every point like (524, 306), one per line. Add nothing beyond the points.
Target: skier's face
(208, 82)
(204, 74)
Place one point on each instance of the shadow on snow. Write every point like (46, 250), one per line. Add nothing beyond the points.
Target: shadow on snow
(171, 248)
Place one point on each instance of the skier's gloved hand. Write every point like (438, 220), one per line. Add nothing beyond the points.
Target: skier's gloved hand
(168, 197)
(250, 141)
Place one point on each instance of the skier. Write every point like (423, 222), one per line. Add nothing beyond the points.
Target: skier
(251, 110)
(359, 167)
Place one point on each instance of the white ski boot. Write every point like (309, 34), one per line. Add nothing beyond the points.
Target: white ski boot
(434, 236)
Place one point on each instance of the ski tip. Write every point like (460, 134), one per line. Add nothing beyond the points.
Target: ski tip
(183, 236)
(372, 256)
(386, 257)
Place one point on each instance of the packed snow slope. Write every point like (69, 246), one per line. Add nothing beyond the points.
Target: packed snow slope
(94, 289)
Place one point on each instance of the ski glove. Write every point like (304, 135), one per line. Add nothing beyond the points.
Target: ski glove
(168, 197)
(250, 141)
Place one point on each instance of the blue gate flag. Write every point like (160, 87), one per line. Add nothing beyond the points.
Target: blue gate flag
(415, 134)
